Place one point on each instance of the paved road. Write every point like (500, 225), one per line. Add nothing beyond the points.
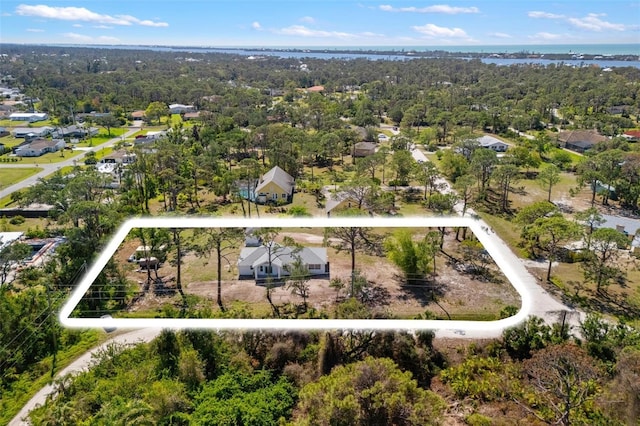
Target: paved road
(49, 168)
(82, 364)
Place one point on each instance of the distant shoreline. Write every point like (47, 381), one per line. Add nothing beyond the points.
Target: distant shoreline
(410, 53)
(624, 52)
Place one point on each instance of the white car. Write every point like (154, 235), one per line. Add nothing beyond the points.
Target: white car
(382, 137)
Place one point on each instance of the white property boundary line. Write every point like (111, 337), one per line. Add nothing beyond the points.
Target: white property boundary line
(487, 241)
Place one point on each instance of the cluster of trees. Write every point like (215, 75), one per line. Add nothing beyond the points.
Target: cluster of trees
(546, 231)
(433, 102)
(440, 93)
(535, 372)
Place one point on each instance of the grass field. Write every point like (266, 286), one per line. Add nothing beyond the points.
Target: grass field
(13, 175)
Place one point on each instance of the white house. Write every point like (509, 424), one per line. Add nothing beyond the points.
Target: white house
(35, 132)
(254, 261)
(74, 131)
(492, 143)
(180, 108)
(31, 117)
(40, 147)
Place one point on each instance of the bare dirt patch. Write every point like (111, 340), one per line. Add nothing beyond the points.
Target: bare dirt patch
(453, 293)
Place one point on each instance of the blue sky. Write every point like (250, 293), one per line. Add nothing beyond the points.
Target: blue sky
(223, 23)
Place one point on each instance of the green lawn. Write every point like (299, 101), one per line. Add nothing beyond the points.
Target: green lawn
(51, 157)
(10, 176)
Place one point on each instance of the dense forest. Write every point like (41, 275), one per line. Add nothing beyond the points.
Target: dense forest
(257, 113)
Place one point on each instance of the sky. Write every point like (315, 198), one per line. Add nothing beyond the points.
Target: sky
(326, 23)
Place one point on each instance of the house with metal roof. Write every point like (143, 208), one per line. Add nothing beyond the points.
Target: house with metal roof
(492, 143)
(261, 262)
(31, 117)
(32, 132)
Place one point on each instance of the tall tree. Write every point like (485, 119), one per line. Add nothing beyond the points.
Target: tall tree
(353, 239)
(427, 174)
(464, 187)
(600, 267)
(275, 250)
(552, 233)
(592, 218)
(506, 175)
(222, 241)
(548, 177)
(402, 163)
(298, 281)
(11, 255)
(565, 378)
(156, 110)
(483, 162)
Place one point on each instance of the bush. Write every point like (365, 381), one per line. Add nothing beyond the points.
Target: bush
(17, 220)
(476, 419)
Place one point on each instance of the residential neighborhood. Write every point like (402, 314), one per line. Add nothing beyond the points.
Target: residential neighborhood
(446, 225)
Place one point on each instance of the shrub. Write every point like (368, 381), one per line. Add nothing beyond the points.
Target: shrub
(17, 220)
(476, 419)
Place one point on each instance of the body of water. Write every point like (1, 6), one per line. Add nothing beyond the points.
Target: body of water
(399, 53)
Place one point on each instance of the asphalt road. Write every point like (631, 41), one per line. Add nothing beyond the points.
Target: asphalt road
(49, 168)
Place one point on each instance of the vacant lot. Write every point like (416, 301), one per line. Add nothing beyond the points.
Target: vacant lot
(451, 294)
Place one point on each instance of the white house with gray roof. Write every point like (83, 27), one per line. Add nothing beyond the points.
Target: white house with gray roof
(254, 261)
(492, 143)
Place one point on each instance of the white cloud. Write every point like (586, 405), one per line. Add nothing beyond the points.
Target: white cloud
(82, 14)
(77, 25)
(436, 8)
(547, 36)
(592, 22)
(78, 37)
(108, 39)
(35, 30)
(432, 30)
(307, 19)
(81, 38)
(256, 25)
(102, 27)
(302, 31)
(500, 35)
(546, 15)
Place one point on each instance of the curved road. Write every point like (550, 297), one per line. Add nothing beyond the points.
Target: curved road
(49, 168)
(80, 364)
(543, 304)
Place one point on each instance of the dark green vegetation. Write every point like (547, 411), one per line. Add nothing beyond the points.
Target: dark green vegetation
(253, 117)
(535, 373)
